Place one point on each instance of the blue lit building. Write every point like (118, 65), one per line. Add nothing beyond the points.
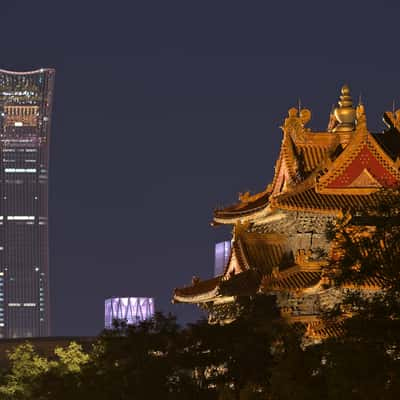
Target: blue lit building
(131, 310)
(222, 254)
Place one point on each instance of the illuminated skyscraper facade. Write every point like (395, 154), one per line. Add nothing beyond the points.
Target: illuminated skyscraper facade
(25, 109)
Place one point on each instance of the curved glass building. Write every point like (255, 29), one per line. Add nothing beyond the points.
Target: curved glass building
(130, 310)
(25, 111)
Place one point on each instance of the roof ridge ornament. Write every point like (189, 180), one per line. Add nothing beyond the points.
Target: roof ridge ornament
(332, 119)
(392, 118)
(345, 113)
(295, 123)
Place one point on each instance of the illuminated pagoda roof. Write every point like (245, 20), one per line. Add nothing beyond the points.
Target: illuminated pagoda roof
(330, 173)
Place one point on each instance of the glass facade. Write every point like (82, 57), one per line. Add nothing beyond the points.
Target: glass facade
(129, 309)
(222, 254)
(25, 110)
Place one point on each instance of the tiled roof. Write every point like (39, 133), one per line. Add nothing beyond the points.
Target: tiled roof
(263, 254)
(243, 284)
(302, 158)
(243, 208)
(256, 253)
(364, 152)
(322, 330)
(369, 283)
(293, 278)
(198, 292)
(309, 200)
(312, 156)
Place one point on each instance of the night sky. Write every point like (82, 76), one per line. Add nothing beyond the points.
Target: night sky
(164, 110)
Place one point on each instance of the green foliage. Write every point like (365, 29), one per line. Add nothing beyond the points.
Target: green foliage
(25, 368)
(71, 359)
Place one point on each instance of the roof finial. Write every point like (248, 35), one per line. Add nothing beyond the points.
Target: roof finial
(299, 104)
(394, 107)
(345, 113)
(332, 119)
(360, 103)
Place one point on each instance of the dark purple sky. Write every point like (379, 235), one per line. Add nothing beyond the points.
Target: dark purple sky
(164, 110)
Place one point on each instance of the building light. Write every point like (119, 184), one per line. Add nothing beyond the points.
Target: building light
(21, 218)
(14, 304)
(20, 170)
(29, 304)
(18, 123)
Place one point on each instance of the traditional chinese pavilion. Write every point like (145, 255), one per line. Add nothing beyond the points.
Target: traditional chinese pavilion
(279, 243)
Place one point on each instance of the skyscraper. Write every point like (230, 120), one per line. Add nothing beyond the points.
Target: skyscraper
(25, 109)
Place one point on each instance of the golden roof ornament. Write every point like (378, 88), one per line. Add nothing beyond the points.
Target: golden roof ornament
(360, 115)
(295, 123)
(345, 113)
(332, 120)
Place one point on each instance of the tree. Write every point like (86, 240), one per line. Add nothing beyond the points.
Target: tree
(364, 362)
(26, 367)
(236, 357)
(72, 358)
(63, 380)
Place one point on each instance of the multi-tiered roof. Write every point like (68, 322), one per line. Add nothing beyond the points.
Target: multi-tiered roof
(319, 176)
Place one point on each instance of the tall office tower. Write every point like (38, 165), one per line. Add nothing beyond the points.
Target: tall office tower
(25, 108)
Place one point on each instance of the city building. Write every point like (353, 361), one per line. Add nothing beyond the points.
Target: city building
(279, 243)
(25, 113)
(130, 310)
(222, 254)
